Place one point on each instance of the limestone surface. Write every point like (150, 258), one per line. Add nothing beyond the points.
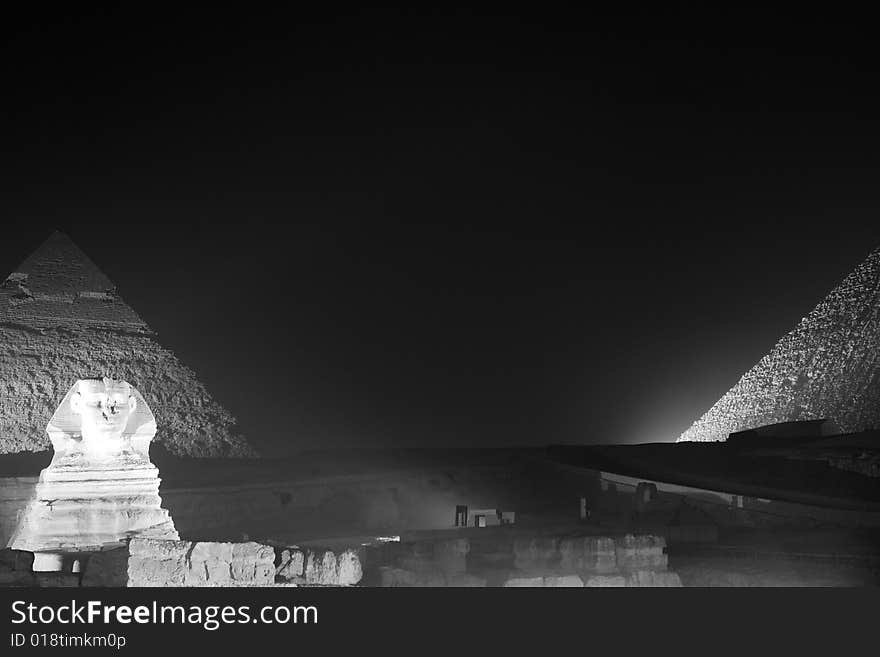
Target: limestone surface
(348, 568)
(520, 582)
(588, 553)
(531, 553)
(645, 552)
(319, 567)
(606, 581)
(563, 582)
(653, 578)
(61, 319)
(291, 566)
(157, 563)
(828, 367)
(452, 555)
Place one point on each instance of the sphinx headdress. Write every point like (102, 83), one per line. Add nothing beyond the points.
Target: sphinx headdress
(64, 428)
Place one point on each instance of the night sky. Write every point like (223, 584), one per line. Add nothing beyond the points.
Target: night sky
(452, 229)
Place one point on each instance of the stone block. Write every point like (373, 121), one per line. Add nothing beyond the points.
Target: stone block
(207, 551)
(535, 552)
(177, 563)
(564, 581)
(264, 573)
(321, 568)
(252, 550)
(423, 549)
(640, 578)
(243, 570)
(516, 582)
(348, 568)
(146, 571)
(591, 554)
(158, 549)
(219, 572)
(292, 564)
(667, 578)
(249, 572)
(641, 552)
(418, 563)
(605, 581)
(464, 580)
(196, 574)
(571, 553)
(451, 556)
(397, 577)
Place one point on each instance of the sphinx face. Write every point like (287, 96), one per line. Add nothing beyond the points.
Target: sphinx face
(104, 408)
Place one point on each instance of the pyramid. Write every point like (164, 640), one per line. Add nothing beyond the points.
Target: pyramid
(828, 367)
(62, 320)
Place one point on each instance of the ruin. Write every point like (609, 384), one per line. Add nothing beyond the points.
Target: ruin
(100, 488)
(827, 368)
(60, 317)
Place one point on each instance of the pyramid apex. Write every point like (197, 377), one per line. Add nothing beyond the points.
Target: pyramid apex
(59, 282)
(58, 234)
(58, 265)
(60, 320)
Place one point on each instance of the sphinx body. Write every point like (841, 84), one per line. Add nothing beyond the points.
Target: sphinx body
(100, 488)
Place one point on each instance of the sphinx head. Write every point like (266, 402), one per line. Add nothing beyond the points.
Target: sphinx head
(104, 407)
(101, 419)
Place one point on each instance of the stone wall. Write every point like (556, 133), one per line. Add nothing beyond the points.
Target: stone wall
(828, 367)
(447, 562)
(184, 563)
(319, 567)
(628, 560)
(161, 563)
(545, 561)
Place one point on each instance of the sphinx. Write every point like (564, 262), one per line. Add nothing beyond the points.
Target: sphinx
(101, 487)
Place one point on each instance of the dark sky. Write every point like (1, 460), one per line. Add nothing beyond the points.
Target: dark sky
(451, 228)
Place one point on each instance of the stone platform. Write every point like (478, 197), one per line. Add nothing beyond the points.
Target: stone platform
(586, 561)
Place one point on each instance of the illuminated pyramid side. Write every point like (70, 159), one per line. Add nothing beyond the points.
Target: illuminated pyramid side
(61, 320)
(828, 367)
